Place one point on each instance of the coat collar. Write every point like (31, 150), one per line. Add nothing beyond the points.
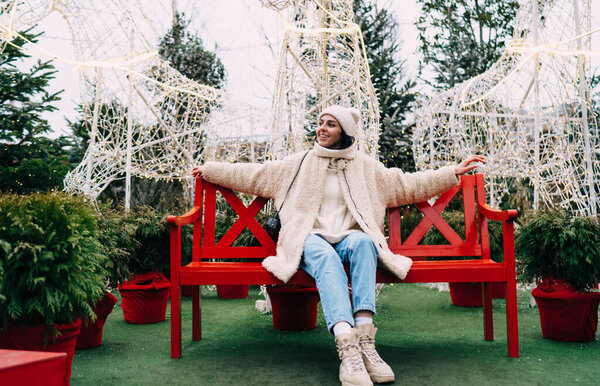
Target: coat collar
(347, 153)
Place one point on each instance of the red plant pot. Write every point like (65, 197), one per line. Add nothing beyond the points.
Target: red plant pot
(294, 308)
(466, 294)
(565, 314)
(232, 291)
(32, 339)
(187, 290)
(144, 298)
(499, 290)
(91, 333)
(471, 294)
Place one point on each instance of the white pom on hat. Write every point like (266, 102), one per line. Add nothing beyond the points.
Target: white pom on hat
(347, 117)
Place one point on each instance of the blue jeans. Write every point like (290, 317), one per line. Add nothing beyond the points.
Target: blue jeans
(325, 263)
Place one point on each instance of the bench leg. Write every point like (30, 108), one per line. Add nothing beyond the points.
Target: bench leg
(196, 313)
(512, 322)
(175, 320)
(488, 314)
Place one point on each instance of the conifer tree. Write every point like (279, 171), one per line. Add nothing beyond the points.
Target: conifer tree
(28, 161)
(463, 38)
(395, 93)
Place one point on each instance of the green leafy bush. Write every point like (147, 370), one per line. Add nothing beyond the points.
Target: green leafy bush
(554, 244)
(51, 263)
(118, 242)
(137, 241)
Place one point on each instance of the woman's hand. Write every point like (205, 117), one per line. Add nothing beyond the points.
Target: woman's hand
(468, 164)
(197, 171)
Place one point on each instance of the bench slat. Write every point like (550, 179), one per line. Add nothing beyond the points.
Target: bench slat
(430, 271)
(438, 250)
(259, 252)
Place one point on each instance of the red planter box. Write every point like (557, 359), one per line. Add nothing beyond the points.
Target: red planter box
(294, 308)
(33, 368)
(232, 291)
(566, 315)
(32, 339)
(144, 298)
(91, 333)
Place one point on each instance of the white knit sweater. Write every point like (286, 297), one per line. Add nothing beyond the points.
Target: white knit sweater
(334, 221)
(372, 189)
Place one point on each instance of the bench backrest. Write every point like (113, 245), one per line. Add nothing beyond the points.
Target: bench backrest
(474, 242)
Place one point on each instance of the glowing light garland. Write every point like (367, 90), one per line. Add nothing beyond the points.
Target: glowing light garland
(144, 118)
(322, 61)
(530, 114)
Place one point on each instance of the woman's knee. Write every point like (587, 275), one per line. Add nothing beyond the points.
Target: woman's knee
(319, 253)
(360, 240)
(363, 247)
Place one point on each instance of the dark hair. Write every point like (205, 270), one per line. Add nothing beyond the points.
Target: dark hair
(346, 140)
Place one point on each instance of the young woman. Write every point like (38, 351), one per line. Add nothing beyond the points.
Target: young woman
(333, 216)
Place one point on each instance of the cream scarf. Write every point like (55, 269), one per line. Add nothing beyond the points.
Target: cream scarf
(334, 221)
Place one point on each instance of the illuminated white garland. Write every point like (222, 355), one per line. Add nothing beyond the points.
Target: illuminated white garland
(529, 114)
(144, 118)
(322, 61)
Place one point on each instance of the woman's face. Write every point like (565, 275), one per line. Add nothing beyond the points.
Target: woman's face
(329, 132)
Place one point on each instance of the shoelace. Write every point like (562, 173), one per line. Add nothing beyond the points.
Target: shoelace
(367, 345)
(351, 353)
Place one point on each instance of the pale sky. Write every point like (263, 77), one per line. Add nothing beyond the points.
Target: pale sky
(237, 30)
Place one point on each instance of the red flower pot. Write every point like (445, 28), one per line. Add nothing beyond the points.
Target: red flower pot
(466, 294)
(565, 314)
(187, 290)
(32, 339)
(91, 333)
(144, 298)
(232, 291)
(471, 294)
(499, 290)
(294, 308)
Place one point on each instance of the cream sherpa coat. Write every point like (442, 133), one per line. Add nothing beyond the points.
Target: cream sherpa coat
(373, 188)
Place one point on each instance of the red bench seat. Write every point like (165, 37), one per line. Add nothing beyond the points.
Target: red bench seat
(453, 267)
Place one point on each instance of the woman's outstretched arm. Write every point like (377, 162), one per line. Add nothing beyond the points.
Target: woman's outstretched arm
(406, 188)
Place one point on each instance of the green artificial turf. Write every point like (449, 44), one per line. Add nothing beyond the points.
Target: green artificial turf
(424, 338)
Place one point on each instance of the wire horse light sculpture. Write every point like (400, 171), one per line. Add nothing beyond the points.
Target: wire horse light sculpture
(322, 61)
(530, 114)
(143, 117)
(146, 119)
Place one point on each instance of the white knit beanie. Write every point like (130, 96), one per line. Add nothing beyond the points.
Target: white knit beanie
(347, 117)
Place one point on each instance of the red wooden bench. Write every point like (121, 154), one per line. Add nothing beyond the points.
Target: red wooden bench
(475, 245)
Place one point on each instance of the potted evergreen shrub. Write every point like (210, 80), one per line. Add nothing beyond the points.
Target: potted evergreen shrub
(562, 253)
(114, 239)
(470, 294)
(144, 239)
(51, 270)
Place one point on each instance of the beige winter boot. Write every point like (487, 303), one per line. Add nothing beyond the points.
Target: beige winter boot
(379, 371)
(352, 368)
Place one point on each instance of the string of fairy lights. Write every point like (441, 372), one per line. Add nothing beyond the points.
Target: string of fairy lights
(322, 61)
(145, 119)
(530, 114)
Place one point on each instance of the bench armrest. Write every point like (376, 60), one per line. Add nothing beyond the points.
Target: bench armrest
(497, 215)
(187, 218)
